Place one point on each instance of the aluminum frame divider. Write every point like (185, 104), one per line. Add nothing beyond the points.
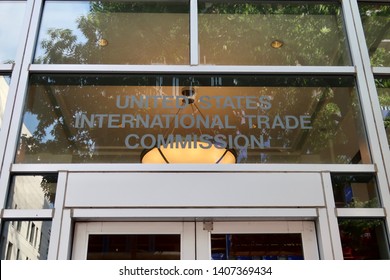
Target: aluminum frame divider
(325, 246)
(331, 217)
(65, 240)
(6, 67)
(372, 91)
(194, 47)
(383, 164)
(14, 116)
(14, 71)
(136, 167)
(188, 69)
(57, 217)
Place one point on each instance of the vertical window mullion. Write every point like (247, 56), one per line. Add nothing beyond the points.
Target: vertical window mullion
(17, 91)
(368, 96)
(194, 45)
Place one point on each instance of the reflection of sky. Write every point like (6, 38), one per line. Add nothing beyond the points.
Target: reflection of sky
(31, 122)
(11, 20)
(64, 15)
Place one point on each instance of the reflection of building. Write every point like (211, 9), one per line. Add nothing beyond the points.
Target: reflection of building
(287, 88)
(23, 240)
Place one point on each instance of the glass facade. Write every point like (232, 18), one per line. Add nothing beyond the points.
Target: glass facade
(114, 32)
(262, 119)
(383, 87)
(271, 33)
(355, 190)
(291, 97)
(363, 239)
(32, 192)
(376, 23)
(25, 240)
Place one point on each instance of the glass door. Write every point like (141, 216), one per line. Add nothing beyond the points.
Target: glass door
(279, 240)
(134, 241)
(276, 240)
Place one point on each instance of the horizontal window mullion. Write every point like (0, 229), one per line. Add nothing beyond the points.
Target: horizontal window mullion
(39, 168)
(93, 68)
(374, 1)
(237, 213)
(381, 70)
(6, 67)
(360, 212)
(27, 214)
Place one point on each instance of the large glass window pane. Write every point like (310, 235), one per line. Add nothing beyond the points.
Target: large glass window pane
(272, 33)
(11, 20)
(254, 119)
(133, 247)
(363, 239)
(32, 192)
(355, 190)
(383, 88)
(4, 87)
(25, 240)
(114, 32)
(376, 24)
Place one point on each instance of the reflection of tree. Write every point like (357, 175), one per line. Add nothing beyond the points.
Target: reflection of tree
(327, 129)
(360, 238)
(53, 134)
(139, 38)
(54, 101)
(383, 87)
(376, 24)
(49, 185)
(355, 191)
(333, 101)
(313, 33)
(61, 47)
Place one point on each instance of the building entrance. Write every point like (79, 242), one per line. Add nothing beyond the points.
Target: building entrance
(241, 240)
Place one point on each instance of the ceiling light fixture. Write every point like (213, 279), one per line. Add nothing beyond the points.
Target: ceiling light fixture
(277, 44)
(199, 152)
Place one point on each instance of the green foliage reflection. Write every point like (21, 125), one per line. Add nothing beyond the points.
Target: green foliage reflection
(137, 32)
(376, 24)
(241, 33)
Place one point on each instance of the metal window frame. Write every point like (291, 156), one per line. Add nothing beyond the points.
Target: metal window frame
(381, 151)
(14, 70)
